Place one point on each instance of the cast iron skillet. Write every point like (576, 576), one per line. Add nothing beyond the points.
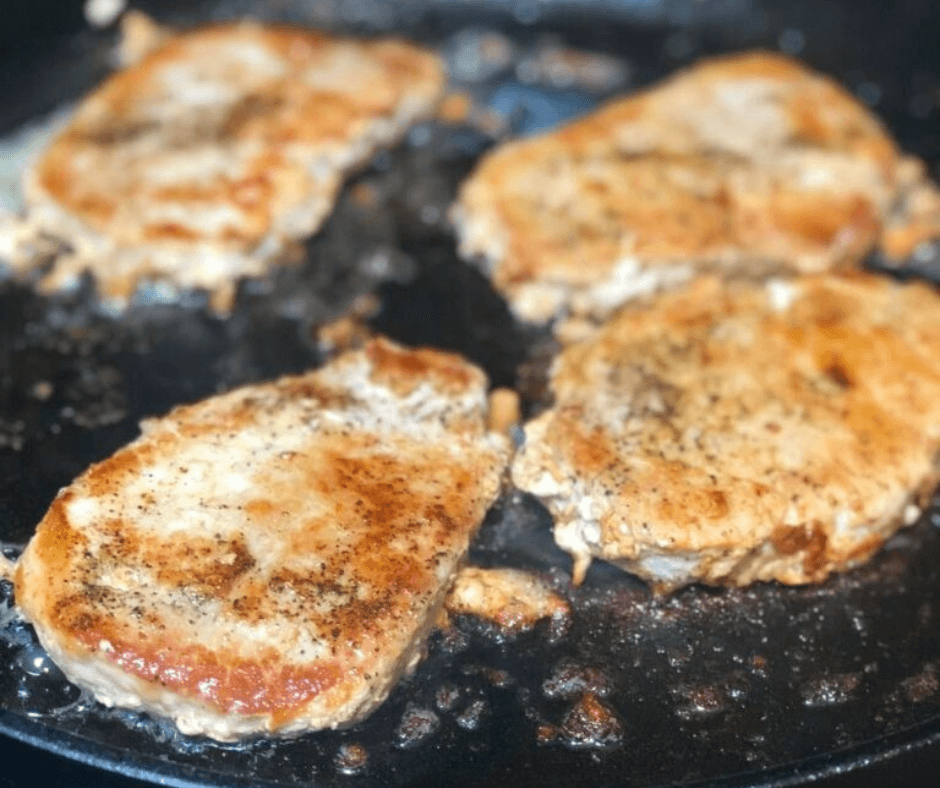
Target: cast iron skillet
(768, 686)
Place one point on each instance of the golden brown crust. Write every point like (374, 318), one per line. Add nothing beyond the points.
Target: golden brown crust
(230, 140)
(749, 162)
(271, 559)
(404, 370)
(736, 432)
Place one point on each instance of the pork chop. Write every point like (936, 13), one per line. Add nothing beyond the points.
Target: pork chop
(735, 432)
(269, 560)
(747, 162)
(204, 161)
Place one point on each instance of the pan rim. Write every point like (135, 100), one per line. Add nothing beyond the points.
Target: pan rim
(136, 766)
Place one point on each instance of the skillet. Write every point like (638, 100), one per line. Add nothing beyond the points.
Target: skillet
(767, 686)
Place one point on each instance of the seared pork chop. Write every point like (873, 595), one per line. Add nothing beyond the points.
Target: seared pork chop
(269, 560)
(744, 162)
(734, 432)
(204, 161)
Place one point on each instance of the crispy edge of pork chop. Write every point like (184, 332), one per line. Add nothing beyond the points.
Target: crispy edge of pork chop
(269, 560)
(745, 163)
(915, 218)
(512, 600)
(735, 432)
(206, 160)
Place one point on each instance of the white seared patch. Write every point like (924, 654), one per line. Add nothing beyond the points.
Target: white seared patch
(628, 280)
(781, 293)
(671, 569)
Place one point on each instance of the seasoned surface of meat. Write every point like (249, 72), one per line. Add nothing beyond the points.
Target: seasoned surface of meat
(269, 560)
(746, 163)
(204, 161)
(735, 432)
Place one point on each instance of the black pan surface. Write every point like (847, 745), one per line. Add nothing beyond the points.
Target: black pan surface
(766, 686)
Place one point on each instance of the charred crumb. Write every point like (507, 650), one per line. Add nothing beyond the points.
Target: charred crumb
(351, 758)
(446, 697)
(417, 724)
(590, 722)
(699, 699)
(830, 689)
(569, 679)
